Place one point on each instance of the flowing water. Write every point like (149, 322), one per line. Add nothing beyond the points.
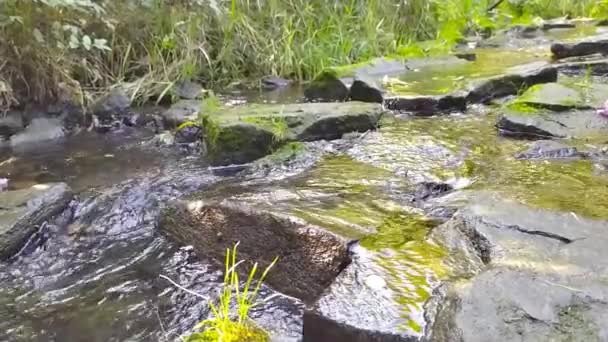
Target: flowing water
(98, 280)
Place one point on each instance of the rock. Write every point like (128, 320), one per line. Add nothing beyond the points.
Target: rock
(596, 66)
(557, 24)
(188, 90)
(428, 105)
(365, 92)
(359, 307)
(309, 257)
(240, 143)
(249, 132)
(514, 81)
(603, 22)
(426, 190)
(540, 278)
(164, 139)
(180, 112)
(583, 48)
(545, 124)
(188, 133)
(10, 124)
(22, 212)
(115, 102)
(274, 82)
(39, 130)
(549, 149)
(151, 121)
(327, 87)
(561, 97)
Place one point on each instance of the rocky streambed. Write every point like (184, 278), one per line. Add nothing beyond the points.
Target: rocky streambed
(457, 198)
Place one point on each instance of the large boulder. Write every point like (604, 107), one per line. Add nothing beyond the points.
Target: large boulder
(23, 212)
(309, 257)
(512, 82)
(327, 87)
(245, 133)
(540, 275)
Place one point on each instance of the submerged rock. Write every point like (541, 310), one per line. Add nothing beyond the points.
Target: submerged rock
(583, 48)
(549, 149)
(23, 212)
(309, 257)
(39, 130)
(249, 132)
(514, 81)
(188, 133)
(539, 278)
(545, 124)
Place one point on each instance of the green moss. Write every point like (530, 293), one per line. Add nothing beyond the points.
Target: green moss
(212, 130)
(397, 229)
(234, 332)
(277, 125)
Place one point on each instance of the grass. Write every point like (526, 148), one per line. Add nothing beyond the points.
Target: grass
(69, 50)
(226, 326)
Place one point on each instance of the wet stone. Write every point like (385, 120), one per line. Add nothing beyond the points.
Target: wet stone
(39, 130)
(541, 279)
(561, 97)
(549, 149)
(583, 48)
(115, 102)
(427, 105)
(23, 212)
(180, 112)
(545, 124)
(327, 87)
(514, 81)
(250, 132)
(309, 257)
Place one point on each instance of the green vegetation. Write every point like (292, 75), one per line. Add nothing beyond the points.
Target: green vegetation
(225, 326)
(67, 50)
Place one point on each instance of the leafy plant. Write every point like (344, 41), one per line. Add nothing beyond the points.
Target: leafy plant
(225, 326)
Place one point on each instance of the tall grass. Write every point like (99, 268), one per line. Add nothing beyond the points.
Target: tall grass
(53, 49)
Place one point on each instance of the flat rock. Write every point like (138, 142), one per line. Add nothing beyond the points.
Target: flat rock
(22, 212)
(512, 82)
(582, 48)
(359, 306)
(540, 278)
(546, 124)
(549, 149)
(562, 97)
(39, 130)
(309, 257)
(250, 132)
(180, 112)
(597, 66)
(428, 105)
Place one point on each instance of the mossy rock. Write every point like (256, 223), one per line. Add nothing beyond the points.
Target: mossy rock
(327, 87)
(246, 133)
(562, 97)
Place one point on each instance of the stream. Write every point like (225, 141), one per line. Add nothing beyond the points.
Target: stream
(99, 279)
